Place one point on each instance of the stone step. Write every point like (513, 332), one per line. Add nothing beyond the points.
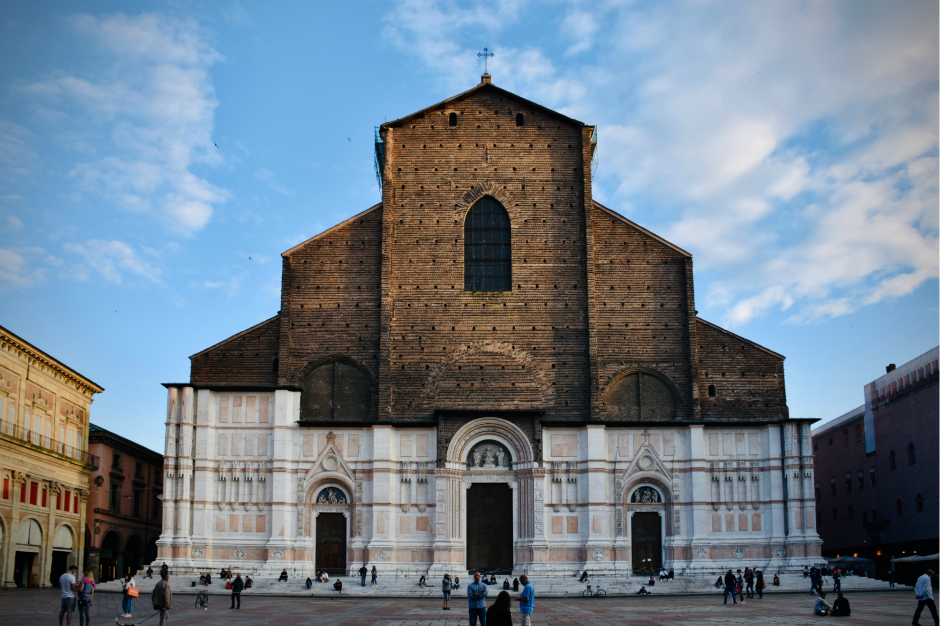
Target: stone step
(545, 587)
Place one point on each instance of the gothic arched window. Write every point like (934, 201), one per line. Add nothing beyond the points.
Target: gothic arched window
(452, 119)
(487, 254)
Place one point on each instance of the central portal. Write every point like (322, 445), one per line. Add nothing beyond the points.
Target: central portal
(647, 543)
(489, 528)
(331, 543)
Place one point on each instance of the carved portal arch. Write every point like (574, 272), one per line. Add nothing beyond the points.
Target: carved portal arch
(340, 485)
(490, 428)
(639, 484)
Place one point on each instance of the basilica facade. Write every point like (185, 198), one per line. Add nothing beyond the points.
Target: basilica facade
(487, 370)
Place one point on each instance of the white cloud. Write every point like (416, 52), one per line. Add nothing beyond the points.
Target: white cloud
(269, 178)
(791, 147)
(110, 260)
(14, 270)
(14, 223)
(147, 107)
(18, 158)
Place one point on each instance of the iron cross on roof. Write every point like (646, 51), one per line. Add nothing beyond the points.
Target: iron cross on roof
(486, 54)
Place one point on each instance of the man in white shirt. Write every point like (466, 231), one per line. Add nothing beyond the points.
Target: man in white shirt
(67, 584)
(923, 590)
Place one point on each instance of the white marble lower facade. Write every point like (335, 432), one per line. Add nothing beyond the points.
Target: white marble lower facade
(246, 485)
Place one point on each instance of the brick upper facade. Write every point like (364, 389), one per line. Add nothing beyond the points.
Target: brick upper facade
(600, 323)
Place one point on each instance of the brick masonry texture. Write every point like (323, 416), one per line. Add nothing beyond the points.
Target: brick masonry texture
(248, 358)
(594, 297)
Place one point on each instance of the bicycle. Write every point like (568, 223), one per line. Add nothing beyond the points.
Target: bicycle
(596, 593)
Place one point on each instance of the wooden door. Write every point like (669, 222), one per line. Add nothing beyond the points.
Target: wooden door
(489, 527)
(647, 543)
(331, 543)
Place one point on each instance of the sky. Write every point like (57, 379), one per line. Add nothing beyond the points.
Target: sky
(157, 157)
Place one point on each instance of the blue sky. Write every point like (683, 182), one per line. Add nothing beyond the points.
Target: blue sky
(791, 147)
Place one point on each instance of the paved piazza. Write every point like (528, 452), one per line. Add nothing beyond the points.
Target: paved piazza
(29, 607)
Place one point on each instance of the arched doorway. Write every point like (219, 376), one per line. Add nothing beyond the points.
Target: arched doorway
(646, 507)
(62, 546)
(111, 557)
(330, 506)
(132, 555)
(494, 494)
(26, 561)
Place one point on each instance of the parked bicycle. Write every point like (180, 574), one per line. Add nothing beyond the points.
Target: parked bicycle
(590, 591)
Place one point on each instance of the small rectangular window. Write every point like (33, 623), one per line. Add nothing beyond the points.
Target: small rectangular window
(44, 496)
(861, 480)
(830, 443)
(58, 501)
(848, 482)
(858, 432)
(68, 500)
(872, 481)
(6, 488)
(116, 462)
(845, 436)
(33, 492)
(138, 469)
(832, 487)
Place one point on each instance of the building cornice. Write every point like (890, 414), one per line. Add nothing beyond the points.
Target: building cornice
(10, 341)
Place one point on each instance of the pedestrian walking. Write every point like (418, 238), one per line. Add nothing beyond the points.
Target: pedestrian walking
(375, 576)
(739, 586)
(164, 569)
(476, 592)
(162, 597)
(67, 585)
(127, 600)
(237, 585)
(760, 585)
(749, 581)
(836, 580)
(526, 601)
(446, 587)
(891, 579)
(500, 613)
(86, 591)
(813, 581)
(729, 587)
(363, 572)
(923, 591)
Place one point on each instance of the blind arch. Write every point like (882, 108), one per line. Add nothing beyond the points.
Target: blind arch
(487, 247)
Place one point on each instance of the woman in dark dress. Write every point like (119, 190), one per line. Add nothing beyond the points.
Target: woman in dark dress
(515, 584)
(499, 614)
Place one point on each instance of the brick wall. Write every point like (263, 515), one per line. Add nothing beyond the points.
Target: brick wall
(447, 348)
(847, 455)
(247, 358)
(748, 378)
(594, 297)
(911, 417)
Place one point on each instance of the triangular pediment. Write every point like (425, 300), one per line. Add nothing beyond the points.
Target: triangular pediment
(483, 87)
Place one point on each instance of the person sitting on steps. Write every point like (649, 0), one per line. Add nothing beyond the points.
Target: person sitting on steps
(643, 591)
(283, 577)
(338, 585)
(584, 577)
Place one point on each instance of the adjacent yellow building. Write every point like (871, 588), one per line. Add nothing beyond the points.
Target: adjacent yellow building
(44, 464)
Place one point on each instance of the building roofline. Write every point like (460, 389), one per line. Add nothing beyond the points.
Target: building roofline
(97, 432)
(858, 412)
(740, 338)
(613, 213)
(235, 336)
(331, 229)
(52, 361)
(483, 86)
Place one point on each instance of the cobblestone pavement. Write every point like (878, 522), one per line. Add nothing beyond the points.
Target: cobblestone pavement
(33, 607)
